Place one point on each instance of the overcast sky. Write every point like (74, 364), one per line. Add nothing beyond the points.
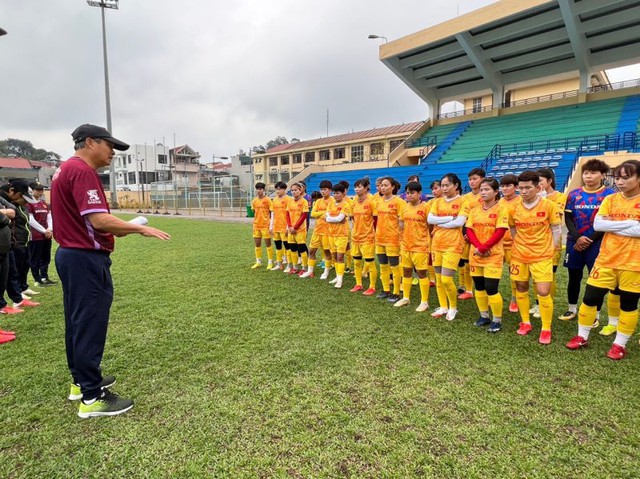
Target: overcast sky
(222, 76)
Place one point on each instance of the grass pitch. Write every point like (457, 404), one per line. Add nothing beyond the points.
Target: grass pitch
(240, 373)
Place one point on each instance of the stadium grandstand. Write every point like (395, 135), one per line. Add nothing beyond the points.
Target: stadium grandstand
(531, 78)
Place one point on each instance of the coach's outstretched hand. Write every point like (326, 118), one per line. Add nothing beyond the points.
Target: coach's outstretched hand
(155, 233)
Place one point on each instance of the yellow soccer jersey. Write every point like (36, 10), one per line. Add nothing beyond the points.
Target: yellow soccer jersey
(320, 207)
(280, 213)
(363, 231)
(484, 222)
(508, 205)
(262, 208)
(448, 239)
(473, 200)
(295, 210)
(337, 230)
(388, 212)
(533, 241)
(415, 235)
(620, 252)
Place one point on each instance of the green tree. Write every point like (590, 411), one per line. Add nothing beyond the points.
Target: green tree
(24, 149)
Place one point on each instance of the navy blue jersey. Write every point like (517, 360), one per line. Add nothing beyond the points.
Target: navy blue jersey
(584, 206)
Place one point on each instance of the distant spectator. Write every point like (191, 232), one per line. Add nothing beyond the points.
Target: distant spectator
(41, 226)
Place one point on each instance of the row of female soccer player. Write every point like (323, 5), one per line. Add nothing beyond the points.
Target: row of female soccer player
(479, 231)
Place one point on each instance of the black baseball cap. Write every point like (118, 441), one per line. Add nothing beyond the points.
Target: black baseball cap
(97, 132)
(22, 186)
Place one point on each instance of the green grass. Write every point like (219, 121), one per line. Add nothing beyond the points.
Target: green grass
(240, 373)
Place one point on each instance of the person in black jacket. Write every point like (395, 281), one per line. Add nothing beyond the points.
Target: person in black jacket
(6, 214)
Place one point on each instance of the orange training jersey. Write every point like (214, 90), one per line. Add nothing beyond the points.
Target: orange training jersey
(448, 239)
(295, 209)
(620, 252)
(473, 200)
(508, 205)
(533, 241)
(484, 222)
(363, 231)
(280, 213)
(320, 207)
(262, 216)
(337, 230)
(415, 235)
(560, 200)
(389, 212)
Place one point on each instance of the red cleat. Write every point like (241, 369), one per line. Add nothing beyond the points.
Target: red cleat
(369, 292)
(432, 284)
(524, 329)
(27, 302)
(294, 271)
(616, 352)
(6, 338)
(465, 295)
(10, 310)
(7, 333)
(356, 289)
(300, 272)
(545, 337)
(577, 342)
(513, 307)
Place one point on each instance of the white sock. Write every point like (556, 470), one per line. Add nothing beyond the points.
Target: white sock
(613, 321)
(573, 308)
(621, 339)
(584, 331)
(484, 314)
(598, 315)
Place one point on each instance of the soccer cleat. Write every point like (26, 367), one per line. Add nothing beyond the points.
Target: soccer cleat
(616, 352)
(277, 267)
(334, 280)
(494, 327)
(545, 337)
(524, 329)
(325, 275)
(24, 296)
(513, 307)
(300, 272)
(107, 404)
(482, 321)
(6, 338)
(595, 324)
(30, 292)
(432, 284)
(440, 312)
(48, 281)
(422, 307)
(75, 393)
(466, 295)
(293, 271)
(269, 266)
(577, 342)
(392, 298)
(608, 330)
(356, 289)
(369, 292)
(287, 270)
(307, 274)
(256, 265)
(568, 316)
(451, 314)
(535, 311)
(10, 310)
(415, 282)
(401, 302)
(461, 290)
(347, 271)
(338, 284)
(26, 302)
(383, 295)
(42, 284)
(7, 333)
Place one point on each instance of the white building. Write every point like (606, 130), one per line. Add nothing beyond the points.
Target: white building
(142, 165)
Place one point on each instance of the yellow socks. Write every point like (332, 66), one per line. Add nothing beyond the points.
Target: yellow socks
(628, 322)
(385, 273)
(339, 269)
(357, 269)
(482, 300)
(406, 288)
(523, 305)
(305, 259)
(587, 315)
(269, 253)
(258, 250)
(397, 278)
(424, 290)
(451, 291)
(468, 279)
(546, 311)
(495, 303)
(373, 273)
(462, 277)
(441, 292)
(432, 274)
(312, 263)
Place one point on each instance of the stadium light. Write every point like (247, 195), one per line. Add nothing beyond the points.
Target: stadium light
(381, 37)
(112, 4)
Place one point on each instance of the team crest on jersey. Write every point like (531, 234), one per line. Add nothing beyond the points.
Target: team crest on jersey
(455, 207)
(637, 205)
(420, 213)
(94, 197)
(541, 214)
(493, 215)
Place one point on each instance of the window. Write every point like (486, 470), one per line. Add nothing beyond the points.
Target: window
(338, 153)
(377, 149)
(477, 105)
(273, 177)
(284, 160)
(357, 153)
(129, 159)
(162, 159)
(273, 161)
(132, 178)
(310, 157)
(297, 158)
(393, 144)
(325, 155)
(258, 177)
(284, 176)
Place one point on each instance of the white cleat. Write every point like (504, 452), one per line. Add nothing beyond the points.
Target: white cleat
(334, 280)
(422, 307)
(440, 312)
(338, 283)
(307, 274)
(401, 302)
(287, 269)
(451, 314)
(325, 275)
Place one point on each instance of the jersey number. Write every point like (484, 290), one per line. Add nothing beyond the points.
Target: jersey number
(515, 269)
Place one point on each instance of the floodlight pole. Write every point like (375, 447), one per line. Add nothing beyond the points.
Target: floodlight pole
(113, 4)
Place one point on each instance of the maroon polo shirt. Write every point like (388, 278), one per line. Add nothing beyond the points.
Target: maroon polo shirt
(40, 211)
(76, 192)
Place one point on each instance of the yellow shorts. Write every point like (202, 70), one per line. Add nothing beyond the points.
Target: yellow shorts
(300, 237)
(541, 272)
(388, 250)
(366, 251)
(338, 244)
(507, 256)
(465, 251)
(608, 278)
(320, 241)
(419, 261)
(492, 272)
(261, 233)
(280, 236)
(556, 257)
(446, 259)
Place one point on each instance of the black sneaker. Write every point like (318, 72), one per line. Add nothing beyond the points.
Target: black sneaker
(393, 298)
(48, 281)
(75, 392)
(107, 404)
(382, 295)
(482, 322)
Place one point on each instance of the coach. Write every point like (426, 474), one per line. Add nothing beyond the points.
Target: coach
(85, 231)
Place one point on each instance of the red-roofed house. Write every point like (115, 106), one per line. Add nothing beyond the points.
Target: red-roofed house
(28, 169)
